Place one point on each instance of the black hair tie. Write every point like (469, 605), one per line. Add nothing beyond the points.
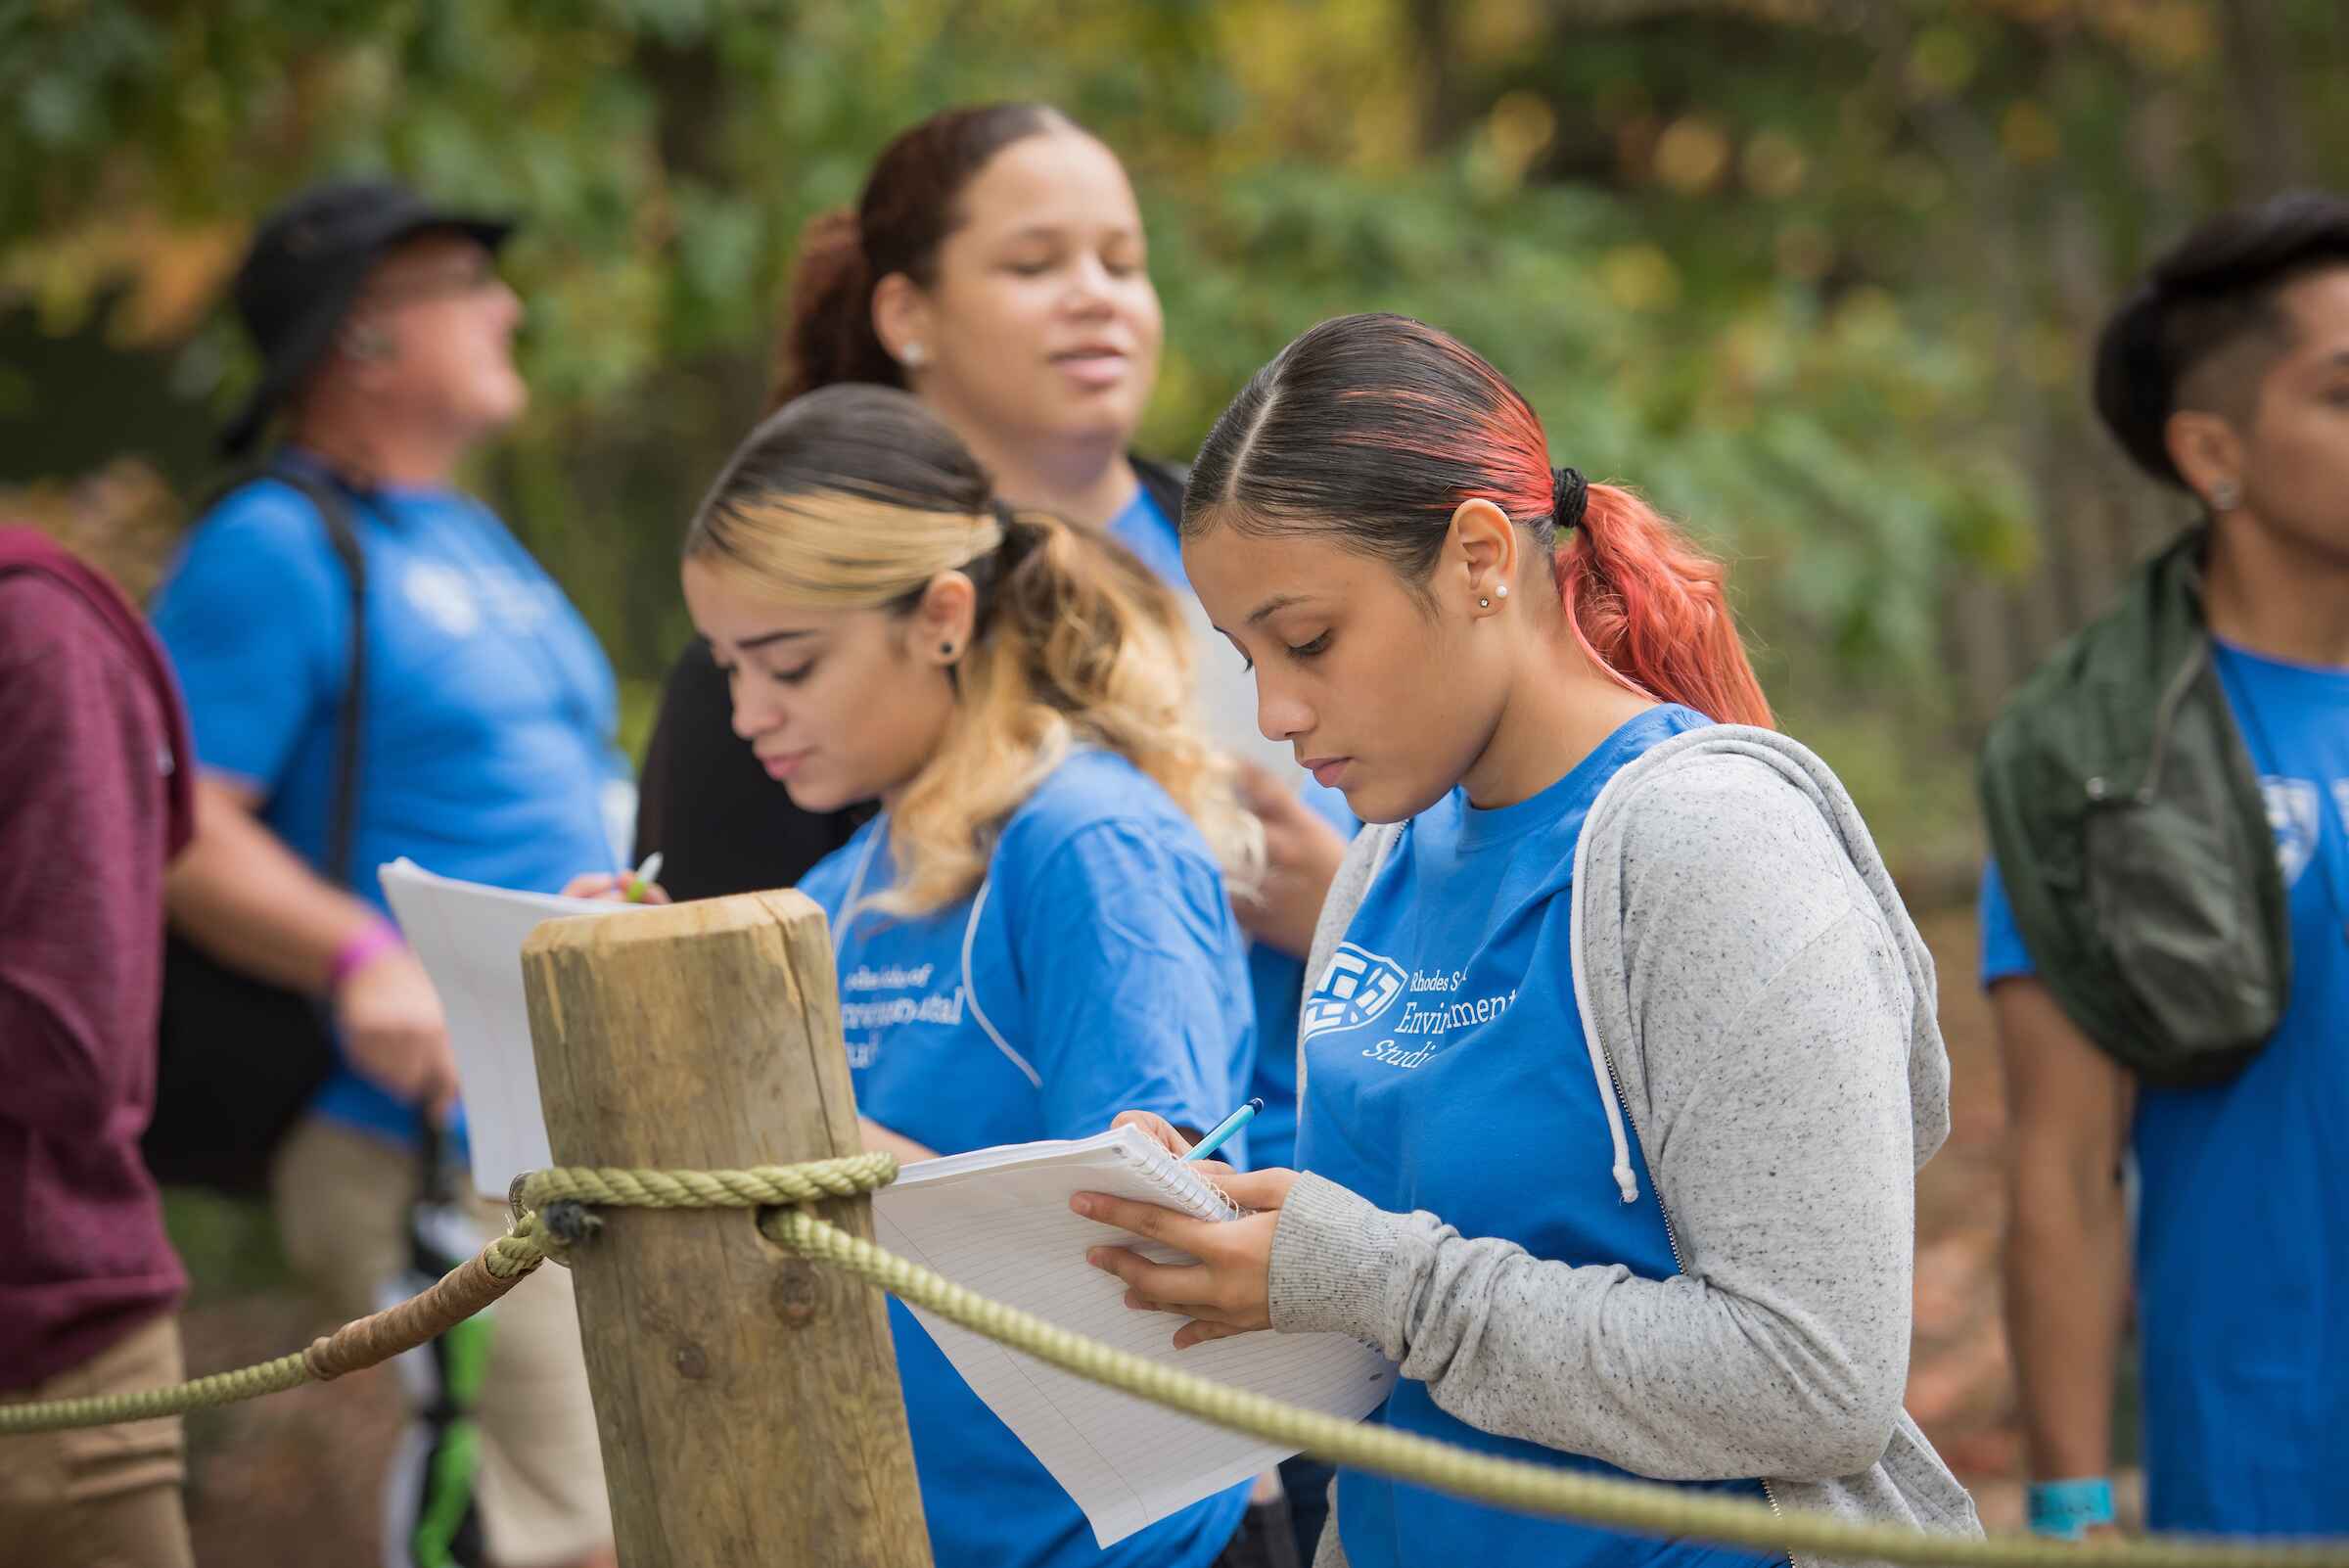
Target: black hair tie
(987, 573)
(1021, 531)
(1569, 494)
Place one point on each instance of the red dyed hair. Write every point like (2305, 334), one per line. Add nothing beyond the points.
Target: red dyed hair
(1378, 427)
(1651, 610)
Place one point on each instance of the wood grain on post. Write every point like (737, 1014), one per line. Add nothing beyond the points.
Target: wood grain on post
(746, 1398)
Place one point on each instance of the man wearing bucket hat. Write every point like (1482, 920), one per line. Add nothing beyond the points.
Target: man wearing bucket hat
(351, 581)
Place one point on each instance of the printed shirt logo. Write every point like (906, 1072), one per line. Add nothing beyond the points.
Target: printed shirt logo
(441, 595)
(866, 1020)
(1357, 986)
(460, 602)
(2292, 808)
(520, 604)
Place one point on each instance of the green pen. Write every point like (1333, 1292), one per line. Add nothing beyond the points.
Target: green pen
(633, 892)
(1224, 1130)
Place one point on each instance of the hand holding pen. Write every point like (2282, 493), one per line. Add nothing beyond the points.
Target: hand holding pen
(621, 886)
(1227, 1291)
(1222, 1130)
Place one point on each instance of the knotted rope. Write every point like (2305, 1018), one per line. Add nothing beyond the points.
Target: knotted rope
(1645, 1507)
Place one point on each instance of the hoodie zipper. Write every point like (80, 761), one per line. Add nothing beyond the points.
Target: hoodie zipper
(1771, 1497)
(1619, 1107)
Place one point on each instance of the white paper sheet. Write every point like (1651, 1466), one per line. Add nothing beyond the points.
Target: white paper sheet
(998, 1223)
(995, 1221)
(468, 939)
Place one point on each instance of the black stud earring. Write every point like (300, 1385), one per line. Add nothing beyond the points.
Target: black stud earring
(946, 649)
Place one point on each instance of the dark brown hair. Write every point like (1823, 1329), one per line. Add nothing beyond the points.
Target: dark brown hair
(2217, 287)
(906, 210)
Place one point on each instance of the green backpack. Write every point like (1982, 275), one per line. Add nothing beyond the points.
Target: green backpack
(2133, 838)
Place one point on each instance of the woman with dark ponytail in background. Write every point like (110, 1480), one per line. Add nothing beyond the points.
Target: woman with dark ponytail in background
(993, 266)
(1623, 1054)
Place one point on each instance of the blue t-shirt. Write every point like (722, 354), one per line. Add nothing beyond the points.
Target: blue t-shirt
(1098, 969)
(1446, 1029)
(486, 749)
(1278, 982)
(1145, 529)
(1274, 978)
(2242, 1221)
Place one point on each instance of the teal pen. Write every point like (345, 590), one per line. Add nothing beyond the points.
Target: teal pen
(1224, 1130)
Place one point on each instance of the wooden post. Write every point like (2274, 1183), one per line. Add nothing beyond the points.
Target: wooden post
(746, 1398)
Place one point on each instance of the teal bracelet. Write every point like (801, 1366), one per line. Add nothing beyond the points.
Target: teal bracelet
(2064, 1509)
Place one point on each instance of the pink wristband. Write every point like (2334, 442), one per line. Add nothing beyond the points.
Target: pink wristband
(356, 953)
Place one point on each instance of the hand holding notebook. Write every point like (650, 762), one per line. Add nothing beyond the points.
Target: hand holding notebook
(998, 1222)
(1223, 1285)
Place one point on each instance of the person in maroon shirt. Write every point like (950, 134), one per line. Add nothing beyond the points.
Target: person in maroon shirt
(94, 802)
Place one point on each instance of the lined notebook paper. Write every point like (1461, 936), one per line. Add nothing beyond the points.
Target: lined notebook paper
(468, 939)
(997, 1221)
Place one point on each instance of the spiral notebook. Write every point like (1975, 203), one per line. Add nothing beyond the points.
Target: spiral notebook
(997, 1221)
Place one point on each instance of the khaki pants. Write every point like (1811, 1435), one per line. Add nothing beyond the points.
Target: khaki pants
(342, 1198)
(103, 1497)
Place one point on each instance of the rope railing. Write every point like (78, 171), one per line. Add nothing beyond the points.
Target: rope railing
(456, 1296)
(542, 1228)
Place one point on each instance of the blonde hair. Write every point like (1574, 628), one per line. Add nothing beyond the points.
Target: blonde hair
(853, 497)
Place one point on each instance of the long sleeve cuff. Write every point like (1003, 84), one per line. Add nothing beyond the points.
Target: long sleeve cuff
(1333, 1264)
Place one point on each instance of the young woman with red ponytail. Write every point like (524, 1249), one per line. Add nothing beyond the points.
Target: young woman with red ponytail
(1623, 1054)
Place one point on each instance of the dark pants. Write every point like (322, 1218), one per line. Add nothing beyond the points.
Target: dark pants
(1306, 1480)
(1265, 1540)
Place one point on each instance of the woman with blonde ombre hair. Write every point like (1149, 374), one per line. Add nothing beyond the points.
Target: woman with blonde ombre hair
(1036, 932)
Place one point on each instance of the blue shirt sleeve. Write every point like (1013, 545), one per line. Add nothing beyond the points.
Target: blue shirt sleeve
(2004, 956)
(1136, 992)
(257, 619)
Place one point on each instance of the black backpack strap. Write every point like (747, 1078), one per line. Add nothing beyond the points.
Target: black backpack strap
(1164, 482)
(330, 498)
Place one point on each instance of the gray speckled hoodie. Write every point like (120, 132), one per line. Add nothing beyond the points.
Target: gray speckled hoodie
(1743, 962)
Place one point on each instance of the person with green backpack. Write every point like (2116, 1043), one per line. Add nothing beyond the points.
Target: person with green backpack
(2165, 931)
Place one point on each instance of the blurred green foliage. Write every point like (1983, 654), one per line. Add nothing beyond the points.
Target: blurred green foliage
(1819, 275)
